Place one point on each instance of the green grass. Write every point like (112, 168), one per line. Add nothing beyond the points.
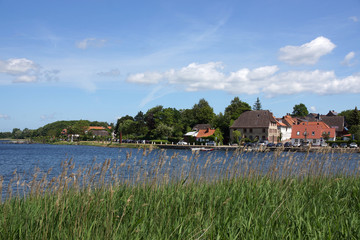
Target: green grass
(252, 206)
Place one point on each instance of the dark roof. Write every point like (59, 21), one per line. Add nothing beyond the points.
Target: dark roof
(198, 127)
(334, 122)
(254, 119)
(332, 113)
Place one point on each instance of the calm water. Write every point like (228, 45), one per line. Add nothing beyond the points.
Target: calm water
(26, 159)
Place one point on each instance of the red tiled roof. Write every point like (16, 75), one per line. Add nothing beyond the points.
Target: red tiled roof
(205, 133)
(313, 130)
(95, 128)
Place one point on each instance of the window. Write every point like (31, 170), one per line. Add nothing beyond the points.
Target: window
(250, 130)
(298, 133)
(313, 133)
(244, 130)
(264, 130)
(314, 140)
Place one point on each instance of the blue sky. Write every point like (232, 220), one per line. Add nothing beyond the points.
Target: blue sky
(100, 60)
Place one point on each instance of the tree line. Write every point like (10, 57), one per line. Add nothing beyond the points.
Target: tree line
(160, 123)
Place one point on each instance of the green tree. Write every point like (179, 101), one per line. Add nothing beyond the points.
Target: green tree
(257, 104)
(236, 108)
(355, 131)
(163, 131)
(203, 113)
(300, 110)
(236, 136)
(16, 133)
(218, 135)
(220, 121)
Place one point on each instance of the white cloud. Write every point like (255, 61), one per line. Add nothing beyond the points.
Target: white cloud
(4, 116)
(15, 66)
(354, 18)
(313, 109)
(112, 73)
(145, 78)
(347, 60)
(25, 79)
(23, 70)
(90, 42)
(266, 80)
(308, 53)
(198, 76)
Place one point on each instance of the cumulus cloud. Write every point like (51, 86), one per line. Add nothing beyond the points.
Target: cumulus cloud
(348, 59)
(354, 18)
(4, 116)
(111, 73)
(308, 53)
(145, 78)
(90, 42)
(198, 76)
(313, 109)
(24, 70)
(16, 66)
(267, 80)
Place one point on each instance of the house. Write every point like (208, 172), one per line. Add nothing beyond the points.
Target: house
(199, 133)
(284, 126)
(331, 119)
(313, 132)
(259, 124)
(98, 131)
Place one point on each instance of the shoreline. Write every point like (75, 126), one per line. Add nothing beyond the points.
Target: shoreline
(184, 147)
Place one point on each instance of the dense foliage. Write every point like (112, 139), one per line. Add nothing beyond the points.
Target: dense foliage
(300, 110)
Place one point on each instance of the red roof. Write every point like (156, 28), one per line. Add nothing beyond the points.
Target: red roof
(312, 130)
(205, 133)
(97, 128)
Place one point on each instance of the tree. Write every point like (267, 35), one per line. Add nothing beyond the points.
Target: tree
(355, 131)
(218, 135)
(236, 136)
(163, 131)
(300, 110)
(236, 108)
(257, 104)
(16, 133)
(203, 113)
(355, 117)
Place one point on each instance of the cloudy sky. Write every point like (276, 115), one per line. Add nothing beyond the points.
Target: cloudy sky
(100, 60)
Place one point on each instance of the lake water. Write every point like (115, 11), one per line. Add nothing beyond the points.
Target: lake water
(23, 160)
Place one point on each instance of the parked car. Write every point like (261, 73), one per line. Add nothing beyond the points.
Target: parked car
(279, 145)
(305, 144)
(270, 145)
(296, 144)
(182, 142)
(323, 144)
(334, 145)
(353, 145)
(249, 144)
(211, 143)
(343, 145)
(287, 144)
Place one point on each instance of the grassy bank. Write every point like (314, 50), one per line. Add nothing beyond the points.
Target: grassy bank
(89, 204)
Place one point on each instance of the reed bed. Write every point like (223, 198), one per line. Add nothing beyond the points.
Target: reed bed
(265, 196)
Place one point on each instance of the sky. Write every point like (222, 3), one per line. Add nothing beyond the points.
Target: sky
(100, 60)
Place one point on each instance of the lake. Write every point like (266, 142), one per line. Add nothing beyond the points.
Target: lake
(21, 162)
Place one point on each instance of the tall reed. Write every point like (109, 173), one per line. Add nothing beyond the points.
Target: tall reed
(267, 196)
